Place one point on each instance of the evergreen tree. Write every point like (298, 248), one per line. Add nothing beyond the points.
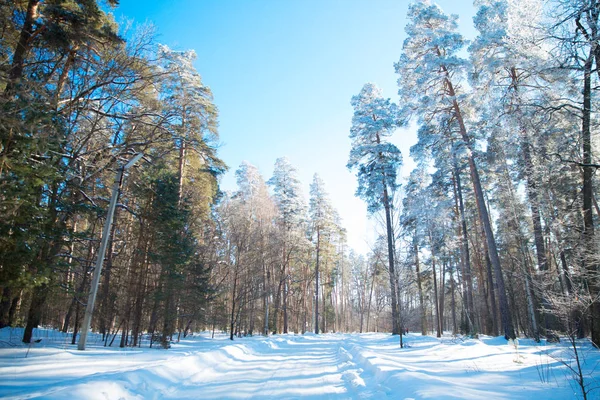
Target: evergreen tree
(192, 118)
(292, 210)
(377, 162)
(429, 71)
(173, 247)
(288, 193)
(248, 216)
(322, 215)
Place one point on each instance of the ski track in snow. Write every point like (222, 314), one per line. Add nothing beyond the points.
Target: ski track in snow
(331, 366)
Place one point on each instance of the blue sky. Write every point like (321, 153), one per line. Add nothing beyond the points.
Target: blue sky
(282, 73)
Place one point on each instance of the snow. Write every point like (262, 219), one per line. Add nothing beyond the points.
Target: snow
(329, 366)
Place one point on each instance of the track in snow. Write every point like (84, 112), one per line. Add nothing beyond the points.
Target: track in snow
(282, 368)
(279, 367)
(331, 366)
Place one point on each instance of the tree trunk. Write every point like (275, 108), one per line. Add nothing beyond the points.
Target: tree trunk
(371, 296)
(277, 302)
(435, 290)
(233, 304)
(38, 299)
(392, 271)
(18, 60)
(76, 299)
(491, 291)
(420, 286)
(49, 250)
(317, 282)
(530, 306)
(14, 305)
(266, 299)
(587, 192)
(169, 315)
(442, 294)
(107, 309)
(453, 302)
(285, 285)
(5, 303)
(139, 281)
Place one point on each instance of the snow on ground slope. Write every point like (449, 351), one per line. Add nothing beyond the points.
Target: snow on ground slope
(331, 366)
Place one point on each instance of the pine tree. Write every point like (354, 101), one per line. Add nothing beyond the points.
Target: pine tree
(55, 40)
(173, 248)
(429, 72)
(321, 214)
(377, 162)
(193, 121)
(292, 210)
(248, 215)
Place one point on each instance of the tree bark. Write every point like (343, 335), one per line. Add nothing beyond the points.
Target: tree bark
(5, 303)
(442, 293)
(317, 282)
(420, 287)
(370, 296)
(392, 271)
(285, 285)
(18, 60)
(233, 304)
(453, 302)
(266, 299)
(435, 289)
(38, 299)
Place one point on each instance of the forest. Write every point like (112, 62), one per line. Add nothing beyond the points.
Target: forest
(492, 233)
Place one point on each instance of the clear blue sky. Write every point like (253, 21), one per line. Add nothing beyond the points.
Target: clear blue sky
(282, 73)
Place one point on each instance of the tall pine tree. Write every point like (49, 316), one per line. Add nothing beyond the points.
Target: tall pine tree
(377, 162)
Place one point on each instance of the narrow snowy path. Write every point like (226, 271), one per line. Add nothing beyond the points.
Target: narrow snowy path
(283, 368)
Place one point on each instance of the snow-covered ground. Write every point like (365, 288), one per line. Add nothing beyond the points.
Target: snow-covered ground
(331, 366)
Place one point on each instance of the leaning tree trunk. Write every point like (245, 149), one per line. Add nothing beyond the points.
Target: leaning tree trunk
(507, 324)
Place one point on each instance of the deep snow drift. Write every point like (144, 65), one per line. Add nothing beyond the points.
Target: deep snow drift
(330, 366)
